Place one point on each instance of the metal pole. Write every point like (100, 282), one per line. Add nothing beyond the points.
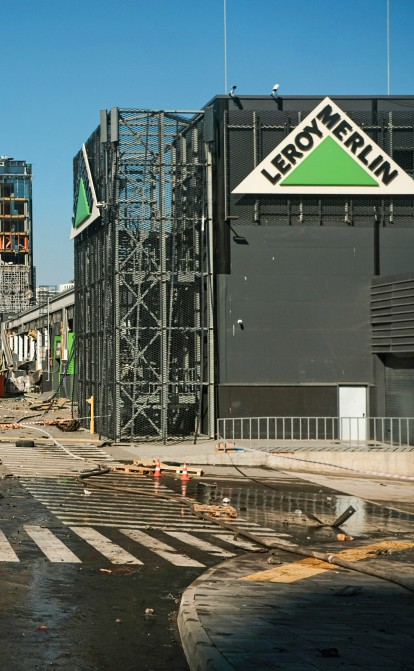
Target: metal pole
(388, 49)
(48, 341)
(163, 286)
(210, 296)
(114, 214)
(225, 47)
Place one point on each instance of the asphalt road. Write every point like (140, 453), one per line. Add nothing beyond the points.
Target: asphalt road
(91, 579)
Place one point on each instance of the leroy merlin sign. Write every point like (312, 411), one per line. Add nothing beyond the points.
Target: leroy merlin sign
(327, 153)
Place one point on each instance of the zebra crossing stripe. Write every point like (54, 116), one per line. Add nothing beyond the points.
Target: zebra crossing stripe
(229, 538)
(107, 548)
(50, 545)
(200, 544)
(6, 551)
(162, 549)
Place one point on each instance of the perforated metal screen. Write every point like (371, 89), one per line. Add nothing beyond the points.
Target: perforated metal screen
(252, 135)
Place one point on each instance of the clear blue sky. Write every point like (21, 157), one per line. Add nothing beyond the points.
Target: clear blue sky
(64, 61)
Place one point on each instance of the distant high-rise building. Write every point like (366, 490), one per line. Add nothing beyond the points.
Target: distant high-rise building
(16, 260)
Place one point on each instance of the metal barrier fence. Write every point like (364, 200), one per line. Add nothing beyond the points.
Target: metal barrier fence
(375, 431)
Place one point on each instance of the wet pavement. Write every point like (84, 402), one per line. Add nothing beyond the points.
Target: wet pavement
(261, 610)
(233, 619)
(74, 616)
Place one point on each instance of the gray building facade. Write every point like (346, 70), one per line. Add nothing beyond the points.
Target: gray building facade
(261, 253)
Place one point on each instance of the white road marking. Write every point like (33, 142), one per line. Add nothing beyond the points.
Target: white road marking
(6, 551)
(107, 548)
(50, 545)
(162, 549)
(230, 538)
(200, 544)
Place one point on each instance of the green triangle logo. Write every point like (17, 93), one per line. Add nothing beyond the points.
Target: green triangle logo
(329, 165)
(82, 206)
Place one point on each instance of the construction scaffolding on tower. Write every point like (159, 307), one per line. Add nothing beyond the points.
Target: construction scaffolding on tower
(143, 310)
(16, 267)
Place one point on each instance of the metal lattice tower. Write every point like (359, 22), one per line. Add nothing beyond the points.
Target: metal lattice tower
(143, 308)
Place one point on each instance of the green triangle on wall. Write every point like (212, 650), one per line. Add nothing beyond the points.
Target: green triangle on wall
(329, 165)
(82, 206)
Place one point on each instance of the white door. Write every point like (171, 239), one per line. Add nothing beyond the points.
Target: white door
(352, 413)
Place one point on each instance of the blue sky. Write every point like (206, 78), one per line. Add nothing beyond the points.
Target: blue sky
(63, 62)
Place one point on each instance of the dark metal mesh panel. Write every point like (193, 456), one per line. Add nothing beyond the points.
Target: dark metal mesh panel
(251, 136)
(139, 278)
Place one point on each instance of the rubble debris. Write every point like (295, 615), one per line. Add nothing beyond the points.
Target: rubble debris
(344, 537)
(214, 510)
(63, 424)
(228, 447)
(129, 469)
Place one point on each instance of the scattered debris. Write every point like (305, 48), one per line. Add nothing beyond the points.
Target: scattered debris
(131, 470)
(273, 559)
(228, 447)
(105, 570)
(124, 570)
(42, 627)
(214, 510)
(226, 501)
(145, 468)
(344, 537)
(87, 492)
(64, 424)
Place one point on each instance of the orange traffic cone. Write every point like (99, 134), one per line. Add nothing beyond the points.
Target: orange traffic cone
(185, 473)
(157, 472)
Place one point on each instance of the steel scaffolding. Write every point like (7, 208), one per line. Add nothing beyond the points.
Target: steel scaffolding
(16, 269)
(143, 277)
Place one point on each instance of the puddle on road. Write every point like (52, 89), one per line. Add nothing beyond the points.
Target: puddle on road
(283, 508)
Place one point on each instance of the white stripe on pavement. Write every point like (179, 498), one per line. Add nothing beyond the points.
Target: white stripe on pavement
(51, 546)
(200, 544)
(230, 538)
(107, 548)
(162, 549)
(6, 551)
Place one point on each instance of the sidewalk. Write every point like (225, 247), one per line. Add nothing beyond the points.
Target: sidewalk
(234, 619)
(305, 457)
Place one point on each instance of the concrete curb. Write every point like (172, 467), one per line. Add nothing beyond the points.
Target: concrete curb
(371, 464)
(369, 461)
(200, 651)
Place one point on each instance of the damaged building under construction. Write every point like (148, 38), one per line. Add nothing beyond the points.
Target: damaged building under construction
(16, 261)
(250, 259)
